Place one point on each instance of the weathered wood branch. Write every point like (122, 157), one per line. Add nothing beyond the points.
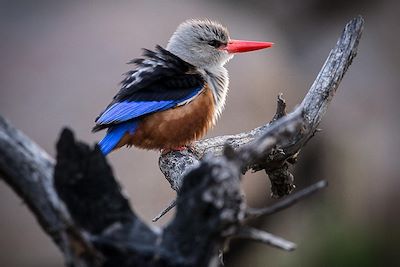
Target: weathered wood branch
(311, 110)
(28, 169)
(314, 105)
(98, 225)
(78, 202)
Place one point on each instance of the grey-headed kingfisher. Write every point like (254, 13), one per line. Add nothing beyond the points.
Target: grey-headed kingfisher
(174, 95)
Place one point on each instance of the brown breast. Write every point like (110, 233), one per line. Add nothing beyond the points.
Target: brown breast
(174, 127)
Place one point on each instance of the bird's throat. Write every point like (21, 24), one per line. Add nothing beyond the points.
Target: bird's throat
(218, 80)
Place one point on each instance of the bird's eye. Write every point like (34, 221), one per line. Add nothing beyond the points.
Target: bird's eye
(215, 43)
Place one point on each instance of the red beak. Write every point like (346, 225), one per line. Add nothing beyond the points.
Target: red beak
(239, 46)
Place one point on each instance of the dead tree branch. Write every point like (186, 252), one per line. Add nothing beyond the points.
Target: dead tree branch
(28, 169)
(275, 163)
(78, 202)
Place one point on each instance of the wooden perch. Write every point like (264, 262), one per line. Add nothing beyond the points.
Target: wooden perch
(79, 203)
(310, 112)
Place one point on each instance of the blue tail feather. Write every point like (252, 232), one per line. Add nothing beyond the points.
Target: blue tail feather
(115, 134)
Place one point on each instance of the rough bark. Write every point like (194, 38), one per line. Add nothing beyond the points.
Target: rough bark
(275, 163)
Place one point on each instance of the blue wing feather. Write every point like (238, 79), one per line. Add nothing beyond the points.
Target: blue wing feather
(126, 115)
(114, 135)
(128, 110)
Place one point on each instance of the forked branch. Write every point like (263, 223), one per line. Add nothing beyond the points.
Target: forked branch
(309, 113)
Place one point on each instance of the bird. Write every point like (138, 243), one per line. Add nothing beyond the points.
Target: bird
(173, 95)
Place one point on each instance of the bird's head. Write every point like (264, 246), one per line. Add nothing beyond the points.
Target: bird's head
(206, 44)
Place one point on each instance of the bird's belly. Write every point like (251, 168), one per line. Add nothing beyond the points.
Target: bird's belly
(177, 126)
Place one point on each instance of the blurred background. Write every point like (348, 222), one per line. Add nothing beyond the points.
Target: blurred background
(61, 62)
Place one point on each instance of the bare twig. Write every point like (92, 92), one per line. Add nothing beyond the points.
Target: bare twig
(165, 210)
(265, 238)
(287, 202)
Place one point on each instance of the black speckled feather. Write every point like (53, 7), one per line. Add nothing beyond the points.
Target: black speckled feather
(160, 75)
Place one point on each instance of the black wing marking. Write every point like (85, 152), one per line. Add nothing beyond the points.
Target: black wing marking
(161, 75)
